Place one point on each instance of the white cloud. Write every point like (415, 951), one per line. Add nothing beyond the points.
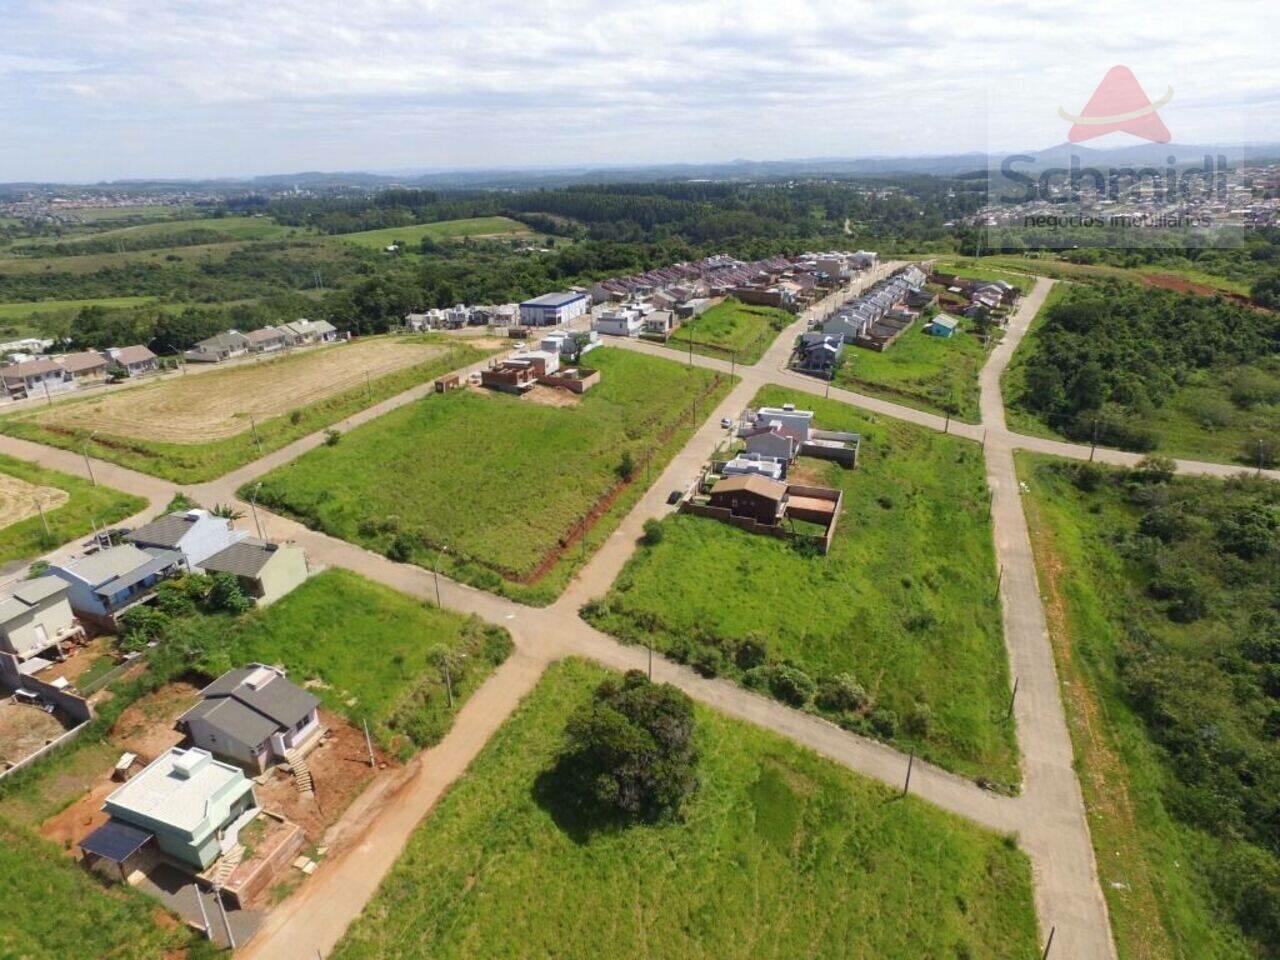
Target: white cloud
(165, 87)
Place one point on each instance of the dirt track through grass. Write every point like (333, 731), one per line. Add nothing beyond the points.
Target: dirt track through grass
(213, 406)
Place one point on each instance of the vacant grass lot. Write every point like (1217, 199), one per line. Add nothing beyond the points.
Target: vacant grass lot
(158, 235)
(84, 506)
(733, 329)
(366, 649)
(503, 482)
(292, 396)
(37, 308)
(981, 270)
(905, 601)
(781, 854)
(55, 910)
(412, 235)
(1154, 868)
(922, 371)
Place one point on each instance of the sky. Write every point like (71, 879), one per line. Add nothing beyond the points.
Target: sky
(112, 89)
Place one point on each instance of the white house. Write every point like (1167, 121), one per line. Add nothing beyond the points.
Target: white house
(196, 533)
(797, 424)
(619, 321)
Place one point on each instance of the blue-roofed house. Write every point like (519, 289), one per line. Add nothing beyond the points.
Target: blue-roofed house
(941, 325)
(105, 584)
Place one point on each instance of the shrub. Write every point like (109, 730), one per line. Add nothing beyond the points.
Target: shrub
(884, 722)
(919, 720)
(751, 652)
(708, 661)
(626, 466)
(225, 595)
(1087, 477)
(401, 547)
(840, 693)
(653, 532)
(331, 437)
(1155, 469)
(141, 625)
(791, 685)
(630, 751)
(295, 417)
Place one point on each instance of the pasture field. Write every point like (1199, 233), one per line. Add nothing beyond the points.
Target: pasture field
(35, 308)
(56, 910)
(506, 484)
(159, 235)
(780, 853)
(71, 506)
(905, 602)
(921, 371)
(413, 234)
(364, 649)
(1161, 704)
(198, 426)
(980, 270)
(732, 328)
(85, 263)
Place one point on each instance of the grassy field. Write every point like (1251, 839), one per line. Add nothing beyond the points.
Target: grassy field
(1065, 270)
(55, 910)
(157, 235)
(293, 396)
(732, 329)
(504, 483)
(409, 237)
(84, 506)
(922, 371)
(904, 601)
(368, 647)
(1155, 869)
(781, 854)
(981, 270)
(23, 311)
(81, 264)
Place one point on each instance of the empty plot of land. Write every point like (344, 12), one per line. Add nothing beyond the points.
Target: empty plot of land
(213, 406)
(19, 499)
(440, 230)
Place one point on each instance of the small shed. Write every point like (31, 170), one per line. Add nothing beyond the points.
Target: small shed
(941, 326)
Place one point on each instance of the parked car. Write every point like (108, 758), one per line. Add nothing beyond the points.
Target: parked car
(726, 422)
(674, 496)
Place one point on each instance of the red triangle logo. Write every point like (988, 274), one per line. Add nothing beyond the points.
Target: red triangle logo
(1119, 103)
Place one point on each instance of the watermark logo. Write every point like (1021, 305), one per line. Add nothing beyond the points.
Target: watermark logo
(1119, 105)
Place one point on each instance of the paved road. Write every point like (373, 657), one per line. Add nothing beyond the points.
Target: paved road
(1048, 817)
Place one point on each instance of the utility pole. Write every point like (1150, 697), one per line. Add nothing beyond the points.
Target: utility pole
(43, 521)
(368, 744)
(911, 762)
(1012, 697)
(253, 425)
(439, 556)
(650, 648)
(1260, 456)
(1048, 943)
(88, 465)
(1000, 580)
(368, 387)
(47, 399)
(1093, 445)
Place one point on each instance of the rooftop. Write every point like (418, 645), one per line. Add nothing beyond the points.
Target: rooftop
(553, 300)
(28, 593)
(245, 558)
(176, 788)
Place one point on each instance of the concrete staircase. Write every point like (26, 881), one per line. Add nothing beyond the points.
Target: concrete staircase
(226, 866)
(301, 773)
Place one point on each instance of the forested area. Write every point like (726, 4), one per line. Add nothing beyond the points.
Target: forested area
(1106, 355)
(1181, 601)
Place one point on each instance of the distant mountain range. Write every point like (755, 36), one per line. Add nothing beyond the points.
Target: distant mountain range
(959, 164)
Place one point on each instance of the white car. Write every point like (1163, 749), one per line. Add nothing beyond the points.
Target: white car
(726, 422)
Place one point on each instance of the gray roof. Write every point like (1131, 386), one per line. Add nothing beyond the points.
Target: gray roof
(265, 335)
(224, 341)
(134, 354)
(264, 691)
(84, 360)
(234, 720)
(28, 593)
(164, 531)
(324, 326)
(107, 564)
(553, 300)
(160, 560)
(245, 558)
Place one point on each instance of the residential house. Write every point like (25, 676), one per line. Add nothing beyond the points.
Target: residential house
(553, 309)
(863, 260)
(185, 805)
(266, 571)
(254, 717)
(223, 346)
(300, 332)
(35, 617)
(106, 583)
(768, 440)
(755, 464)
(519, 373)
(570, 343)
(326, 332)
(35, 378)
(818, 353)
(620, 321)
(267, 340)
(756, 497)
(133, 361)
(196, 534)
(797, 424)
(88, 366)
(660, 323)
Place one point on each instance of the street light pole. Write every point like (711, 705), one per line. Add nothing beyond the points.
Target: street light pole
(253, 505)
(88, 465)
